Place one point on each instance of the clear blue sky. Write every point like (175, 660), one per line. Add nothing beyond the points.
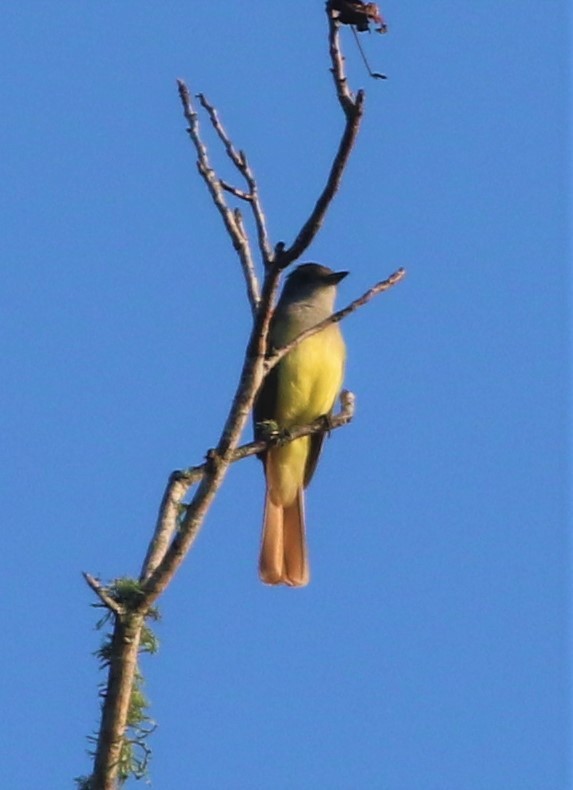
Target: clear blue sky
(430, 651)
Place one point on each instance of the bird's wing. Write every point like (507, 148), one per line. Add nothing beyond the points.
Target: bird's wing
(316, 441)
(265, 402)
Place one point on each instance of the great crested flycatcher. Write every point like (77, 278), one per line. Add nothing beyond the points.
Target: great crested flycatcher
(300, 388)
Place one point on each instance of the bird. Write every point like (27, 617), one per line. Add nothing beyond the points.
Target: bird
(302, 387)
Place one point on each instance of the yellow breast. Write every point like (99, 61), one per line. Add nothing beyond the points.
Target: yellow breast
(310, 377)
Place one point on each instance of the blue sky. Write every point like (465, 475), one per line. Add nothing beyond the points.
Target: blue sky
(430, 651)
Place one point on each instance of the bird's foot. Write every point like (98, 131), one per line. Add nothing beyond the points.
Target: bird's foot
(270, 431)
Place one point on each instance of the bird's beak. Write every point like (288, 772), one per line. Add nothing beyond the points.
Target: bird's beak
(336, 277)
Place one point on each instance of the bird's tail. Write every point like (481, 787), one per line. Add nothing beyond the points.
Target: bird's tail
(284, 553)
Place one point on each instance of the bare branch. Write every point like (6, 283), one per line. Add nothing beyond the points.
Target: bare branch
(181, 481)
(167, 522)
(236, 232)
(338, 420)
(337, 59)
(165, 554)
(204, 165)
(384, 285)
(177, 523)
(102, 594)
(239, 159)
(353, 110)
(248, 265)
(214, 474)
(344, 416)
(239, 193)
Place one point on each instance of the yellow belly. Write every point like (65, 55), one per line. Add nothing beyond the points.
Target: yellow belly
(309, 379)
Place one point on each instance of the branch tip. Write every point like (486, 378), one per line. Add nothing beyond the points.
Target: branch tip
(384, 285)
(102, 594)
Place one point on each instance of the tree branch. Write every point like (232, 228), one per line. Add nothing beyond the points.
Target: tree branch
(182, 480)
(211, 474)
(121, 675)
(249, 382)
(337, 70)
(384, 285)
(239, 159)
(178, 524)
(101, 592)
(353, 110)
(238, 193)
(235, 231)
(166, 526)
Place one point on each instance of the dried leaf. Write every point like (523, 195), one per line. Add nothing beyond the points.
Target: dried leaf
(359, 14)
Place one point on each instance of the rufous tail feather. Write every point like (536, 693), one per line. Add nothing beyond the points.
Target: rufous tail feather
(284, 553)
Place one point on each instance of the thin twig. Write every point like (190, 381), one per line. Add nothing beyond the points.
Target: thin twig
(239, 193)
(102, 594)
(249, 382)
(384, 285)
(343, 92)
(347, 399)
(249, 272)
(181, 481)
(238, 237)
(353, 110)
(167, 522)
(338, 420)
(239, 159)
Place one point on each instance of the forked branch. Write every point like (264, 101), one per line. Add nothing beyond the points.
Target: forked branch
(239, 159)
(180, 482)
(233, 224)
(178, 523)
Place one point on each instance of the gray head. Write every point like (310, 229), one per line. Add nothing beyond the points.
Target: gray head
(310, 280)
